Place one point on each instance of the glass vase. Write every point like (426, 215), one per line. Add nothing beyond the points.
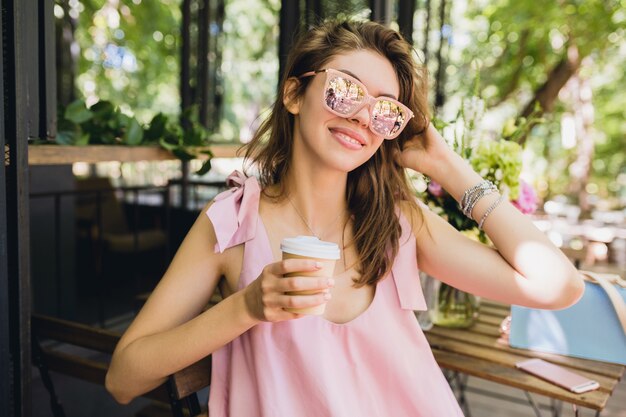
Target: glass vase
(453, 307)
(428, 290)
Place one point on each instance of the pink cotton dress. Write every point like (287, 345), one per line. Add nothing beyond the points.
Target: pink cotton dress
(377, 365)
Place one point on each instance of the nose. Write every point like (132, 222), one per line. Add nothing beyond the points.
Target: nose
(362, 117)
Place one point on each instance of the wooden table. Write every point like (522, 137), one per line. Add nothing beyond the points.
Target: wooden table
(478, 352)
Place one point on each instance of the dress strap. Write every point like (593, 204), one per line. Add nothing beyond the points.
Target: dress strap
(405, 271)
(234, 212)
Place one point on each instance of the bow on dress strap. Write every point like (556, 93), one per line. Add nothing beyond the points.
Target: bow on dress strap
(405, 271)
(234, 212)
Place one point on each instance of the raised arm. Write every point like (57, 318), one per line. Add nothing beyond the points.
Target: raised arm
(525, 269)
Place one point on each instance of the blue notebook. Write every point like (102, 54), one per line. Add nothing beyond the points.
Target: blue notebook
(589, 329)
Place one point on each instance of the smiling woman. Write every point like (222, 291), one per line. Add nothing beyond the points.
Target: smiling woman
(350, 118)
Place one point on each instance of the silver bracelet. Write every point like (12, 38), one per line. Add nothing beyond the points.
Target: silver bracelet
(489, 210)
(475, 193)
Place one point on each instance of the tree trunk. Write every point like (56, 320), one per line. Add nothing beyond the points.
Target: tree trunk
(547, 94)
(580, 94)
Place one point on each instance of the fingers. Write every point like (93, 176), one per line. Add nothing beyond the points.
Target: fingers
(273, 293)
(283, 301)
(313, 284)
(288, 266)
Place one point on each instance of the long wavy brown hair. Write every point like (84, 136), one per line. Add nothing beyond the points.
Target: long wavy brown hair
(375, 187)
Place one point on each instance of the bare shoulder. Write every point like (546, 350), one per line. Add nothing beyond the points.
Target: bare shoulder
(226, 263)
(186, 287)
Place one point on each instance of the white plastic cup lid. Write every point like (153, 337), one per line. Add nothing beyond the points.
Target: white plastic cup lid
(310, 246)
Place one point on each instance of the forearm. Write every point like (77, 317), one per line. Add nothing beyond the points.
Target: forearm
(543, 268)
(144, 364)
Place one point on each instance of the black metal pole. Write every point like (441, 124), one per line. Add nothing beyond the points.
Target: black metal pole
(136, 229)
(215, 79)
(203, 61)
(185, 71)
(99, 258)
(406, 11)
(57, 253)
(289, 26)
(440, 97)
(185, 88)
(20, 85)
(6, 338)
(313, 12)
(47, 71)
(380, 11)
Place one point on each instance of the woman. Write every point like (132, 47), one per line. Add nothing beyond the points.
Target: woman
(338, 174)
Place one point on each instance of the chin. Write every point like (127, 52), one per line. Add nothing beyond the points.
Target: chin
(349, 163)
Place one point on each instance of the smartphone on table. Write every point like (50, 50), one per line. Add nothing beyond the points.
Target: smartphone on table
(558, 375)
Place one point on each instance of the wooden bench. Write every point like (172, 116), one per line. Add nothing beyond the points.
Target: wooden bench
(180, 389)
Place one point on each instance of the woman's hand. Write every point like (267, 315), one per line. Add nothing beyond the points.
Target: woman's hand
(266, 296)
(424, 152)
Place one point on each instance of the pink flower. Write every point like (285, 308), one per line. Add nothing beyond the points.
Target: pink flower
(527, 200)
(435, 189)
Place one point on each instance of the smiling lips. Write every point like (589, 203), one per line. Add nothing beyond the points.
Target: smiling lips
(348, 138)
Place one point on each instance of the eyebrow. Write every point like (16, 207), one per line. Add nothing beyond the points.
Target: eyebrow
(355, 76)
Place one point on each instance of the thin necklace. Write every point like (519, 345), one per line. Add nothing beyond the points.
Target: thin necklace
(319, 236)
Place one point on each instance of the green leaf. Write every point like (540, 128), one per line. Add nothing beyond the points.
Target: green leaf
(77, 112)
(66, 137)
(183, 154)
(107, 138)
(103, 108)
(156, 128)
(134, 133)
(64, 124)
(82, 140)
(207, 152)
(166, 145)
(206, 167)
(124, 120)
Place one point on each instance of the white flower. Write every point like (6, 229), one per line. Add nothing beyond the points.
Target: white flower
(472, 110)
(484, 172)
(499, 174)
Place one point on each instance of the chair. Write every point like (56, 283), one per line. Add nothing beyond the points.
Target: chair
(115, 230)
(180, 389)
(103, 226)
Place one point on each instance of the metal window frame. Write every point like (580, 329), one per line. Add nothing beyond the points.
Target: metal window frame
(28, 112)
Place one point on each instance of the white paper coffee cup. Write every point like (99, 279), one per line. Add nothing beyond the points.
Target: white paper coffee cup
(310, 247)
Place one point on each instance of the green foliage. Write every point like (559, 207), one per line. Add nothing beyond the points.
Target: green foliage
(129, 53)
(516, 45)
(497, 159)
(105, 124)
(519, 42)
(499, 162)
(249, 64)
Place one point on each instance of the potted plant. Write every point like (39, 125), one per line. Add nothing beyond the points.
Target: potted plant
(104, 124)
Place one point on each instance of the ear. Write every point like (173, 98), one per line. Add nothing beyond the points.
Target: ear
(290, 95)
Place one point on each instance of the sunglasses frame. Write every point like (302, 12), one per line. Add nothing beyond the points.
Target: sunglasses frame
(369, 100)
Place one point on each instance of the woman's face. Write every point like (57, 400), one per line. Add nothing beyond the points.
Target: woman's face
(342, 143)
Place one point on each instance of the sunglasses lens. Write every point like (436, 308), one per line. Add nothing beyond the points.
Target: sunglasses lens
(387, 118)
(343, 96)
